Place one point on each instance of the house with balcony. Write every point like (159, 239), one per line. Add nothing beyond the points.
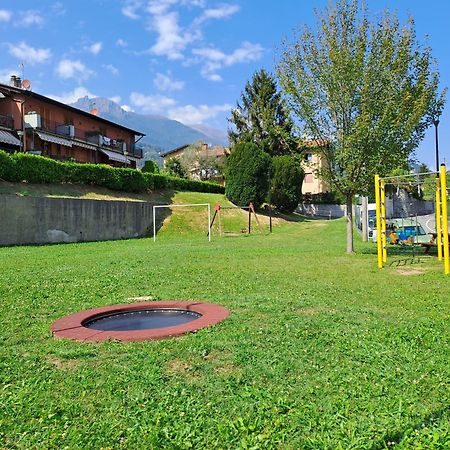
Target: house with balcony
(31, 122)
(202, 161)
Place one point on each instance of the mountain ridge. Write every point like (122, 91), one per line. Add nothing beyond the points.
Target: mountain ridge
(162, 133)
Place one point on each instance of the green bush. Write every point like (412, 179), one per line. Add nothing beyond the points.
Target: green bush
(39, 169)
(150, 167)
(36, 169)
(286, 183)
(246, 174)
(8, 170)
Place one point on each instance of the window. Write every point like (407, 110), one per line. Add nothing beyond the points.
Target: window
(308, 157)
(309, 178)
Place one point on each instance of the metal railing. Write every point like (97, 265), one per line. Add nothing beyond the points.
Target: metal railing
(93, 137)
(7, 122)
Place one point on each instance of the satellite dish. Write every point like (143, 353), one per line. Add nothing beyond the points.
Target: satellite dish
(26, 84)
(94, 111)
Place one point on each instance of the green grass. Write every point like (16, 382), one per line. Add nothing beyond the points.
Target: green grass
(321, 350)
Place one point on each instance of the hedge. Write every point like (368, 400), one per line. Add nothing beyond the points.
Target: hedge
(40, 169)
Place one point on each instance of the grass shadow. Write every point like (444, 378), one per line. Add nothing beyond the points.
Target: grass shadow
(396, 437)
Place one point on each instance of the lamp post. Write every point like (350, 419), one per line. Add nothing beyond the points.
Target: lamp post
(436, 123)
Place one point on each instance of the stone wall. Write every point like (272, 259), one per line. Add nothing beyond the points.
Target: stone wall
(43, 220)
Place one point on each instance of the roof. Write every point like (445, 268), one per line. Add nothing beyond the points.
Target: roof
(31, 94)
(163, 155)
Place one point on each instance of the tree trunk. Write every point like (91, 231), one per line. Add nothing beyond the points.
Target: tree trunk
(349, 223)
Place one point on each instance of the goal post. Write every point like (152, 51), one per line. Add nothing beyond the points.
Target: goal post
(207, 205)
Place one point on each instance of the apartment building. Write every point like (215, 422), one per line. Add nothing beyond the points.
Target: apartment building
(33, 123)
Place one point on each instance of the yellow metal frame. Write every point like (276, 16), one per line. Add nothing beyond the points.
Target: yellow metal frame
(378, 218)
(441, 219)
(438, 217)
(444, 219)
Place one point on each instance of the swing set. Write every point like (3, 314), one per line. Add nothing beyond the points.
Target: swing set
(440, 239)
(218, 215)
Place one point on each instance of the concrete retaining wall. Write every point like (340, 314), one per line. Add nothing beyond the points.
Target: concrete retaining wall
(43, 220)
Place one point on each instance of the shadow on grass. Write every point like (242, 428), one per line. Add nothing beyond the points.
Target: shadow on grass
(292, 217)
(161, 214)
(395, 437)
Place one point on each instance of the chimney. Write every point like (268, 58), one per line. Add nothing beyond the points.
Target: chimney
(13, 80)
(18, 82)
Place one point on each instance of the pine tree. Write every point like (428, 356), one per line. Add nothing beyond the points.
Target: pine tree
(261, 117)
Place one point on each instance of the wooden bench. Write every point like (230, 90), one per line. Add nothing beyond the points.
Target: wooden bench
(432, 242)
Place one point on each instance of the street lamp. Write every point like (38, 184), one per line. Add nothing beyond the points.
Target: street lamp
(436, 123)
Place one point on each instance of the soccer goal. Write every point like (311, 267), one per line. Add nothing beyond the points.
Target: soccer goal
(192, 205)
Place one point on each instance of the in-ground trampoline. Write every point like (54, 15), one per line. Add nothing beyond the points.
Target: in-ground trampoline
(138, 321)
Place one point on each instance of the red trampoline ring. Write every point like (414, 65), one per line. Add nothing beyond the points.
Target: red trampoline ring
(72, 326)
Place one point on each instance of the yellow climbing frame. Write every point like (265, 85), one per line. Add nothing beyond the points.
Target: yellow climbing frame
(441, 219)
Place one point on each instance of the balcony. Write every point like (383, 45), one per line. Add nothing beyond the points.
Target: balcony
(92, 137)
(7, 122)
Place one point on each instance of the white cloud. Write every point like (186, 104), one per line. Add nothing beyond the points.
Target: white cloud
(221, 12)
(59, 9)
(214, 59)
(127, 108)
(113, 70)
(73, 96)
(29, 18)
(166, 83)
(5, 15)
(191, 115)
(28, 54)
(130, 9)
(153, 104)
(121, 43)
(95, 48)
(5, 75)
(68, 68)
(116, 99)
(170, 41)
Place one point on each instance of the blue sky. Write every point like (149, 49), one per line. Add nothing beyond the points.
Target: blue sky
(185, 59)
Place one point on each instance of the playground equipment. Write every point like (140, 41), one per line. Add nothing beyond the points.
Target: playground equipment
(441, 240)
(218, 215)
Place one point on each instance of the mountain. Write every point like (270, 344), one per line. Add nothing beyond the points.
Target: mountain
(215, 135)
(161, 133)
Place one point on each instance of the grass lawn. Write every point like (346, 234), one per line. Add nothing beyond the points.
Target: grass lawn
(321, 350)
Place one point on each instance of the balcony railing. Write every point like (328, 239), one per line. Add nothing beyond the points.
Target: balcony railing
(7, 122)
(93, 137)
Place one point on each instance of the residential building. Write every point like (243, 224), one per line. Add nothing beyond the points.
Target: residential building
(33, 123)
(311, 164)
(201, 160)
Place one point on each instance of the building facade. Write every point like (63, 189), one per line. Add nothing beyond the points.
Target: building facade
(33, 123)
(202, 161)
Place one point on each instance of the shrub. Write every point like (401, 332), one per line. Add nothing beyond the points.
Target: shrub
(7, 167)
(150, 167)
(246, 174)
(175, 168)
(286, 183)
(39, 169)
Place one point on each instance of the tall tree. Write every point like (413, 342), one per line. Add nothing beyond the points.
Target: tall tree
(261, 117)
(365, 89)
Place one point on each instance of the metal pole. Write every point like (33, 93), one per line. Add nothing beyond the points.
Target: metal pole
(438, 219)
(436, 137)
(445, 219)
(209, 221)
(154, 225)
(383, 220)
(378, 217)
(364, 219)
